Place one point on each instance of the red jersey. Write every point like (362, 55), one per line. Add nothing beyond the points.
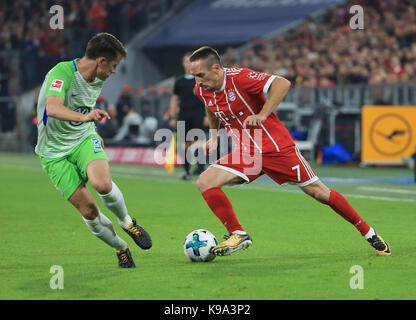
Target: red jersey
(243, 94)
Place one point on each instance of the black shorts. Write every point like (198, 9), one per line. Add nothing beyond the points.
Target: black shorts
(193, 119)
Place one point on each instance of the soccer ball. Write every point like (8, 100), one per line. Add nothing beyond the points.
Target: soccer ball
(198, 246)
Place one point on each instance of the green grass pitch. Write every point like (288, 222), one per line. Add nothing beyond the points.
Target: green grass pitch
(301, 249)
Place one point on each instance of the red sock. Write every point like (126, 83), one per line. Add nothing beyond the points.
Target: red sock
(341, 206)
(221, 206)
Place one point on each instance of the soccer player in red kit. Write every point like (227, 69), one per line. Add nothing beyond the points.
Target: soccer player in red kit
(235, 98)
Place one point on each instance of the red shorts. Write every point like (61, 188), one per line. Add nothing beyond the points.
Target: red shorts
(286, 166)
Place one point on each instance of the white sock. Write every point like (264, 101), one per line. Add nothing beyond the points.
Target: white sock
(114, 201)
(102, 228)
(369, 234)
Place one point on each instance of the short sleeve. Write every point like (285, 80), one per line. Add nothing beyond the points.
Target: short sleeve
(255, 82)
(58, 81)
(176, 89)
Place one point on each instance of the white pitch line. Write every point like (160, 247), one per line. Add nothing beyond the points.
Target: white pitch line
(388, 190)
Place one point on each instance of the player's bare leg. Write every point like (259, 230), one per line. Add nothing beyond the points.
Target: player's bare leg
(98, 172)
(100, 225)
(215, 177)
(340, 205)
(209, 184)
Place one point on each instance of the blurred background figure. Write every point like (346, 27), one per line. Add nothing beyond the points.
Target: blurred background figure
(149, 126)
(130, 128)
(185, 106)
(124, 103)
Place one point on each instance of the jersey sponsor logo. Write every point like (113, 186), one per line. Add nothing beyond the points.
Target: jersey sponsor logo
(223, 117)
(257, 75)
(83, 110)
(57, 85)
(253, 75)
(262, 76)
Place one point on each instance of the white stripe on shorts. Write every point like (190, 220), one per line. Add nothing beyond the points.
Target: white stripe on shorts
(305, 164)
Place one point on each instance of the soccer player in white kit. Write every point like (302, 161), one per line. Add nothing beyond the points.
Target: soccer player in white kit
(70, 150)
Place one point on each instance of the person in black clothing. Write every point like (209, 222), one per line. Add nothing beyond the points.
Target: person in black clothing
(185, 106)
(124, 104)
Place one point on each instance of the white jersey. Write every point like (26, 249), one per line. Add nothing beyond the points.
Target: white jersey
(56, 138)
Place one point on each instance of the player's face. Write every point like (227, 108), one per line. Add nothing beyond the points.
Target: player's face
(208, 78)
(107, 67)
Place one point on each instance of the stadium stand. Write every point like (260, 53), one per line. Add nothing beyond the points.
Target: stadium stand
(326, 52)
(25, 28)
(29, 47)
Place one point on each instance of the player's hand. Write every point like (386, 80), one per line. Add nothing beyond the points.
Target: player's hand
(254, 120)
(211, 145)
(96, 115)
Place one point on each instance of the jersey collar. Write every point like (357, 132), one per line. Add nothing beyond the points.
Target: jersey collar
(74, 62)
(224, 81)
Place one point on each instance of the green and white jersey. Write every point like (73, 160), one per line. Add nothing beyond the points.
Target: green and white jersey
(56, 138)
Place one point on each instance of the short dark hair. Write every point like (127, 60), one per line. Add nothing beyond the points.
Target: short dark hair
(208, 54)
(105, 45)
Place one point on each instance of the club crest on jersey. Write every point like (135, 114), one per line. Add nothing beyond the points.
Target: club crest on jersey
(231, 96)
(56, 85)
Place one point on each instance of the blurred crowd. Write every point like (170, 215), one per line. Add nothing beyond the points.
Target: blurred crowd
(29, 48)
(136, 116)
(325, 51)
(25, 30)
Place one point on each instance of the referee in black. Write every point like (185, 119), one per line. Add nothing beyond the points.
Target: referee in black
(187, 107)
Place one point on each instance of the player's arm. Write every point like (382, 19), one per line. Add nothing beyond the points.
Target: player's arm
(55, 108)
(58, 83)
(214, 124)
(277, 91)
(174, 105)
